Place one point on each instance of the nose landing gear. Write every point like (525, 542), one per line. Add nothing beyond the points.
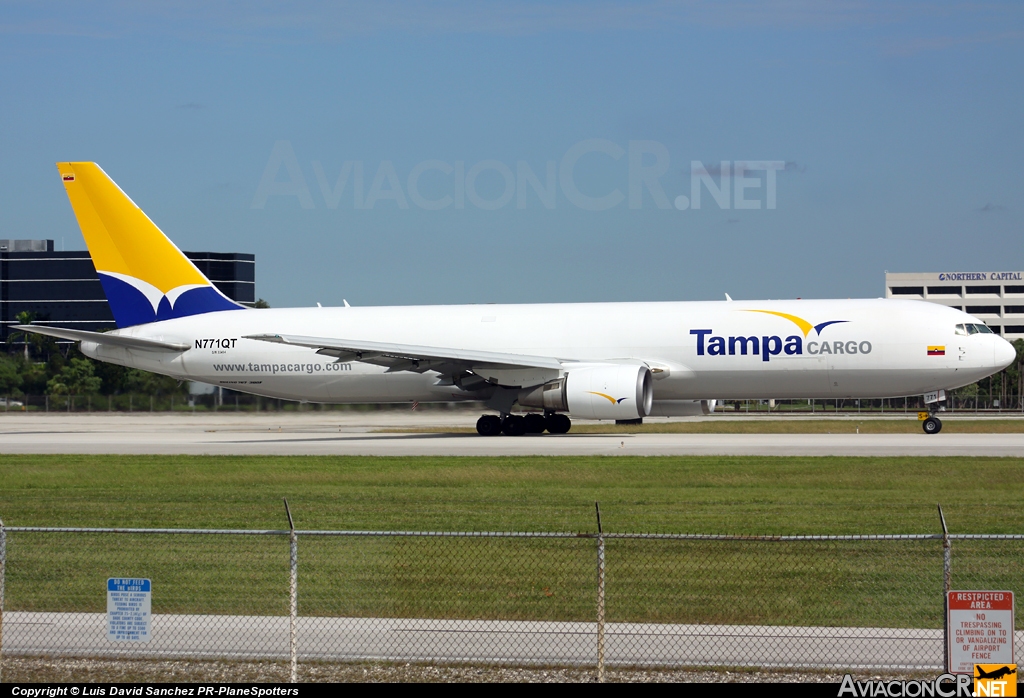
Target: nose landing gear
(930, 422)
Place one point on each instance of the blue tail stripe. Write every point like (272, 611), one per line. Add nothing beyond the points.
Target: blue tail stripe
(130, 307)
(196, 301)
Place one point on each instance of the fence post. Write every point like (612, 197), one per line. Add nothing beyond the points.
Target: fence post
(3, 577)
(947, 564)
(293, 591)
(600, 596)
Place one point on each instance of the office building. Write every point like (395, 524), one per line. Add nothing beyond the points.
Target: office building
(62, 289)
(994, 297)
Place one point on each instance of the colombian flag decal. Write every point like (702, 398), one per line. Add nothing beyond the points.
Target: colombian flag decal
(937, 351)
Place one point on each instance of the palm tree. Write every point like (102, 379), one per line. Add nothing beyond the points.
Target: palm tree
(25, 317)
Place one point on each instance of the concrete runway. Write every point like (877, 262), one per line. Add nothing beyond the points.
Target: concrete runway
(504, 642)
(353, 433)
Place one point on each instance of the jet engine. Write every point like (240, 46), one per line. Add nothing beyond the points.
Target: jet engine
(599, 392)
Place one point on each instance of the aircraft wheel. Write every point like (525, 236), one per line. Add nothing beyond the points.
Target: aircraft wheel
(932, 425)
(558, 423)
(513, 426)
(488, 425)
(534, 423)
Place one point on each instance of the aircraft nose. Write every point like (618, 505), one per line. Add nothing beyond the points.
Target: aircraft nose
(1003, 353)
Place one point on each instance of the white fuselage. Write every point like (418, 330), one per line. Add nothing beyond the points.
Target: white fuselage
(864, 348)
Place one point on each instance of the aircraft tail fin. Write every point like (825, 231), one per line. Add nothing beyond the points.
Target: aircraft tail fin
(145, 277)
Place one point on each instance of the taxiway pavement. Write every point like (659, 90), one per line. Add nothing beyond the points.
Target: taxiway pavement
(356, 433)
(480, 641)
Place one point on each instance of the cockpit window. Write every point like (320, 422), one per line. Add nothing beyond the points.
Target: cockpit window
(973, 329)
(961, 330)
(983, 329)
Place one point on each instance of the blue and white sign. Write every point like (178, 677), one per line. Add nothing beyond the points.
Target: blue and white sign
(128, 609)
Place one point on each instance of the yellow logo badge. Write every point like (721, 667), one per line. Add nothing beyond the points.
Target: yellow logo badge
(995, 679)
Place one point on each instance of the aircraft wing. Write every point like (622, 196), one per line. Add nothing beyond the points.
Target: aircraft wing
(409, 357)
(109, 338)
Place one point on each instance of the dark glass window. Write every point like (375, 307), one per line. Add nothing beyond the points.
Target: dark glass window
(908, 290)
(219, 266)
(245, 271)
(983, 309)
(1014, 329)
(1015, 309)
(983, 289)
(1013, 289)
(62, 288)
(243, 293)
(56, 311)
(943, 291)
(54, 291)
(22, 267)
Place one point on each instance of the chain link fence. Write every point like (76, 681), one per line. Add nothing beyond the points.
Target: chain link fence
(567, 599)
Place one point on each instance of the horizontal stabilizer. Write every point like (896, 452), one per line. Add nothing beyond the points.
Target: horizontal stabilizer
(108, 338)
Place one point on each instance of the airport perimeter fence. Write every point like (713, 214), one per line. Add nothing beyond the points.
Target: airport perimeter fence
(586, 600)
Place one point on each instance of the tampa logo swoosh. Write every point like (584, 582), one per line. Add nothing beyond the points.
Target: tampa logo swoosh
(804, 326)
(609, 398)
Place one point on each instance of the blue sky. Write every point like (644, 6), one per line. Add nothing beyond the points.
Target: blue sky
(893, 132)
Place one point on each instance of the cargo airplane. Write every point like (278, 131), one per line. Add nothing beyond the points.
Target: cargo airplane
(610, 361)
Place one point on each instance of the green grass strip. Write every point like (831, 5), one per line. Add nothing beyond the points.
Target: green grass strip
(882, 584)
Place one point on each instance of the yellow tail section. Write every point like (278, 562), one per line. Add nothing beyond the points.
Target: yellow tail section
(145, 276)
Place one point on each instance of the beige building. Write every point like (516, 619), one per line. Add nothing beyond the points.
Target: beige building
(996, 297)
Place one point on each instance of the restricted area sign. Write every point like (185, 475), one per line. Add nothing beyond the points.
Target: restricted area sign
(128, 609)
(980, 629)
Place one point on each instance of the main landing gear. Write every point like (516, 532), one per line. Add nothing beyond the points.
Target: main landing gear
(517, 425)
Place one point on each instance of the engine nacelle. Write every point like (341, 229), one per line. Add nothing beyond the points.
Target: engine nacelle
(600, 392)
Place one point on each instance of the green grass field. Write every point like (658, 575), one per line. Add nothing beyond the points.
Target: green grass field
(759, 495)
(867, 583)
